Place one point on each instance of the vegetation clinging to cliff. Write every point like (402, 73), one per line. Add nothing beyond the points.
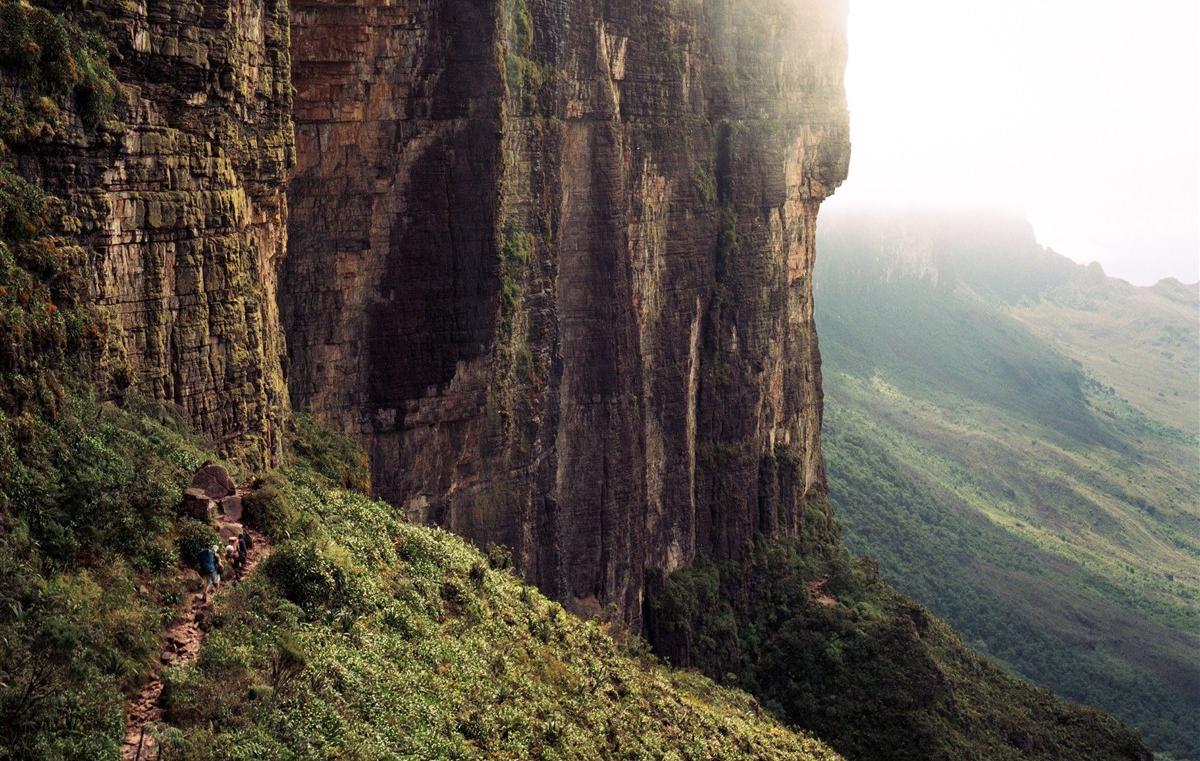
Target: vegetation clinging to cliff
(524, 77)
(47, 328)
(57, 65)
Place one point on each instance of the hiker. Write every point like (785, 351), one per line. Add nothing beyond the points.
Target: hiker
(243, 554)
(243, 550)
(209, 570)
(231, 555)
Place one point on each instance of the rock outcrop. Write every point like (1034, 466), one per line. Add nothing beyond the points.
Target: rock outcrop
(551, 262)
(214, 481)
(177, 196)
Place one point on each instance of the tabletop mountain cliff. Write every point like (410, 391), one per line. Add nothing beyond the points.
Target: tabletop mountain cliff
(549, 262)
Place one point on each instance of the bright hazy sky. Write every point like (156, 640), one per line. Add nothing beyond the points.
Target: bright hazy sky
(1084, 114)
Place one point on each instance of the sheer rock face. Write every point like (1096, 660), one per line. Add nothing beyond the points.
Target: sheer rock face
(181, 206)
(551, 260)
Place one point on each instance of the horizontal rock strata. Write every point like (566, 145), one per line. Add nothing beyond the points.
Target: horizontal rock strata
(178, 198)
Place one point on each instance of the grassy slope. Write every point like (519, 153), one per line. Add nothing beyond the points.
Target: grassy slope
(361, 637)
(415, 646)
(959, 437)
(1139, 341)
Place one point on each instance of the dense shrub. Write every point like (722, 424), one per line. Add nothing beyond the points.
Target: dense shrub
(194, 536)
(319, 576)
(88, 499)
(319, 458)
(59, 691)
(331, 455)
(272, 509)
(22, 207)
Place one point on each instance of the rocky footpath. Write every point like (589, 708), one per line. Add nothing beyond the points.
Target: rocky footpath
(551, 262)
(175, 191)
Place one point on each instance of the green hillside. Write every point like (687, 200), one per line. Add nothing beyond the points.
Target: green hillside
(409, 643)
(360, 637)
(1141, 342)
(1014, 437)
(822, 640)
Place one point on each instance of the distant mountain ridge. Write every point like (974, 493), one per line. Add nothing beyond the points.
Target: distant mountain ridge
(1003, 258)
(1014, 437)
(1182, 293)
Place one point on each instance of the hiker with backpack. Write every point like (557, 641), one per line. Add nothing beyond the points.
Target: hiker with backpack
(209, 570)
(231, 556)
(243, 542)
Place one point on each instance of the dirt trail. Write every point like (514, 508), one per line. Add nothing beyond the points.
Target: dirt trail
(181, 644)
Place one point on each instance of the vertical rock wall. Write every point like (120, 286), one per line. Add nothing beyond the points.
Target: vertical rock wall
(551, 260)
(178, 198)
(394, 202)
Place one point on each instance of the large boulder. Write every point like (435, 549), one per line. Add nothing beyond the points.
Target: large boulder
(231, 508)
(197, 504)
(214, 481)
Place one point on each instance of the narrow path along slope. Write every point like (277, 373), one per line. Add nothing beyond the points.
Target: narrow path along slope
(181, 644)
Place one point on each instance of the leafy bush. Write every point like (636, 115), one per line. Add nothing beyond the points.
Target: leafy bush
(281, 504)
(272, 509)
(287, 663)
(22, 207)
(194, 536)
(317, 576)
(59, 695)
(88, 500)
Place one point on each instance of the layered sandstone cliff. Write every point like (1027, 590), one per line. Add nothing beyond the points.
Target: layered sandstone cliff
(175, 194)
(551, 260)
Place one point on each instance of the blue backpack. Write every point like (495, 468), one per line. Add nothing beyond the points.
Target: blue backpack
(208, 563)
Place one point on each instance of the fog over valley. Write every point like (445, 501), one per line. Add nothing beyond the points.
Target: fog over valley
(1081, 116)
